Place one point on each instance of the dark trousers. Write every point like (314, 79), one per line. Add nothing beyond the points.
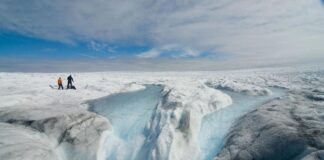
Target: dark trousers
(69, 85)
(60, 86)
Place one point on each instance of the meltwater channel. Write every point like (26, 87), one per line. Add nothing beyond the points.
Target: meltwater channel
(129, 113)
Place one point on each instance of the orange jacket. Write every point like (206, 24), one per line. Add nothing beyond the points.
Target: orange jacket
(59, 81)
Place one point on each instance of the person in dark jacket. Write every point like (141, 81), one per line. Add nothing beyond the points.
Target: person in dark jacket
(70, 80)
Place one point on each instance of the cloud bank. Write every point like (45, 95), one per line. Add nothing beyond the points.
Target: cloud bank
(269, 29)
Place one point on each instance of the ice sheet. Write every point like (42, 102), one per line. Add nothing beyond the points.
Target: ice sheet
(188, 94)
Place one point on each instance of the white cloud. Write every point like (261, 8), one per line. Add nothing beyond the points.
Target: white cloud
(149, 54)
(173, 51)
(239, 28)
(96, 46)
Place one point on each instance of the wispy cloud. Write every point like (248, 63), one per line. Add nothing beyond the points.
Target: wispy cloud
(48, 49)
(96, 46)
(253, 28)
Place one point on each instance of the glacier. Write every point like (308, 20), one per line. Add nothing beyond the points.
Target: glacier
(268, 113)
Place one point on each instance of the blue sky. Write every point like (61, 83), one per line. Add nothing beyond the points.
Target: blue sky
(222, 30)
(13, 45)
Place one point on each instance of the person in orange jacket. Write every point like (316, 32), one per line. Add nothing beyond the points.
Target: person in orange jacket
(60, 83)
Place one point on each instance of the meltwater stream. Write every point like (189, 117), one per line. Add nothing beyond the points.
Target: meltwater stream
(129, 113)
(216, 125)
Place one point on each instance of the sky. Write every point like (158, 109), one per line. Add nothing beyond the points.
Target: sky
(217, 31)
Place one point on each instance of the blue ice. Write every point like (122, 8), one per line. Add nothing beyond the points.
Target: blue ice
(129, 113)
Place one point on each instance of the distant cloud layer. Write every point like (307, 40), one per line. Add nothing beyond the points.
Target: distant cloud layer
(238, 28)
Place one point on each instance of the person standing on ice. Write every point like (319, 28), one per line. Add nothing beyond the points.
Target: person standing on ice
(60, 83)
(70, 80)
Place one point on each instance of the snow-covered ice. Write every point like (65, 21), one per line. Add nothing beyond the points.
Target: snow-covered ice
(184, 117)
